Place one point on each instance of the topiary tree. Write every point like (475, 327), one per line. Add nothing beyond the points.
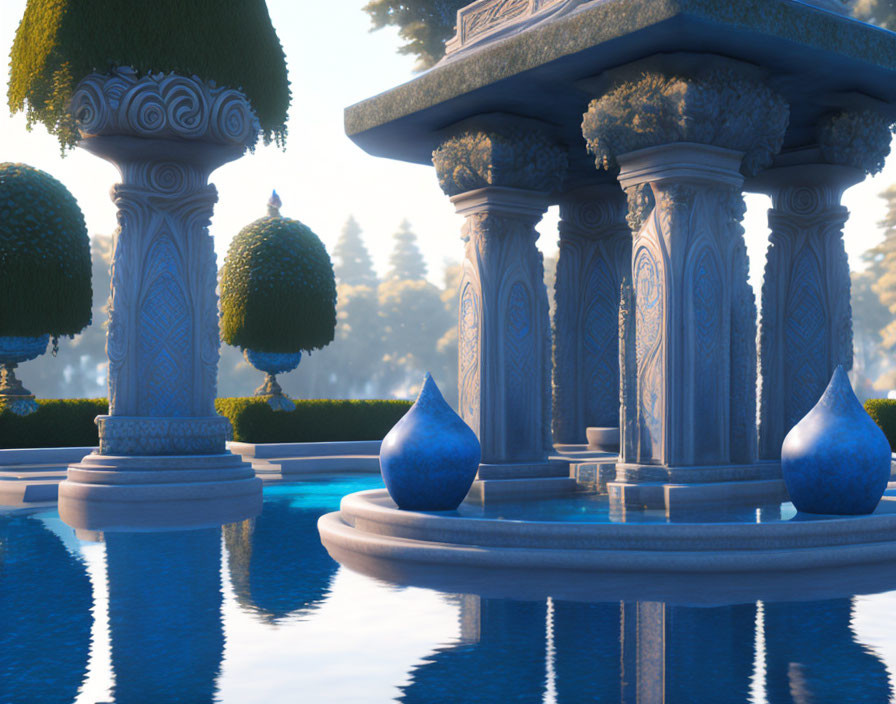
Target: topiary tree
(45, 271)
(278, 296)
(60, 42)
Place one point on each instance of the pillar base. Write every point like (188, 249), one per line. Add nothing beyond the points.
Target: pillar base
(523, 480)
(107, 492)
(671, 488)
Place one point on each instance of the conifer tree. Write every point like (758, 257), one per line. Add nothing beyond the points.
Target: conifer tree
(882, 266)
(353, 263)
(406, 261)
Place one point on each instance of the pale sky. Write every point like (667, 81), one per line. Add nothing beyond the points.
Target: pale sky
(322, 177)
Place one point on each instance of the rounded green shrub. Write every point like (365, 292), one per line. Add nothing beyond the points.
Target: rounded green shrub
(45, 264)
(278, 291)
(60, 42)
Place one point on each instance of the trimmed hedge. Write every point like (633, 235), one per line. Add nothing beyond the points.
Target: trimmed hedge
(56, 423)
(883, 412)
(70, 422)
(312, 421)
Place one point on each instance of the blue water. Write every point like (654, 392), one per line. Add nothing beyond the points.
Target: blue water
(258, 612)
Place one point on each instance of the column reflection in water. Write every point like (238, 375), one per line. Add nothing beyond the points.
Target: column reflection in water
(45, 612)
(166, 632)
(503, 662)
(274, 573)
(812, 656)
(587, 652)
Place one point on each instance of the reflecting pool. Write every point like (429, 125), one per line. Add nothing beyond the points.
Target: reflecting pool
(258, 612)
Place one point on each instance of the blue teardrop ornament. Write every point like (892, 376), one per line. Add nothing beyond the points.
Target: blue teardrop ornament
(430, 457)
(836, 460)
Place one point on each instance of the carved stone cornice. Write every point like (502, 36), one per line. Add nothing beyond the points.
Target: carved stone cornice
(513, 158)
(161, 106)
(857, 139)
(721, 107)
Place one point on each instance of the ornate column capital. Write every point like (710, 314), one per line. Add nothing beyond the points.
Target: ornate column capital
(859, 139)
(162, 106)
(721, 107)
(515, 157)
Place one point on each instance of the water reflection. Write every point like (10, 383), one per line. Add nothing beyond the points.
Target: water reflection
(812, 656)
(502, 642)
(45, 619)
(165, 621)
(170, 604)
(275, 569)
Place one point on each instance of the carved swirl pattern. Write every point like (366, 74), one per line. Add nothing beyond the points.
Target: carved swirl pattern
(469, 323)
(513, 158)
(720, 107)
(649, 315)
(162, 106)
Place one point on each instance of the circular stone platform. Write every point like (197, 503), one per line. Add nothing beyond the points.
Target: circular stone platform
(623, 554)
(107, 492)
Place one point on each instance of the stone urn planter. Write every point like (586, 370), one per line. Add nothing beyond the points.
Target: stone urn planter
(165, 134)
(13, 351)
(272, 364)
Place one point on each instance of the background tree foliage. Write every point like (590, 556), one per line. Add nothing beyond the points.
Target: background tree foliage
(879, 12)
(425, 25)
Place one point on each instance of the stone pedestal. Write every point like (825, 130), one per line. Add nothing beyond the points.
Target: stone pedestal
(166, 134)
(595, 257)
(806, 321)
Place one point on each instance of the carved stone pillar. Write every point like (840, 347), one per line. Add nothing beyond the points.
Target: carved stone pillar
(166, 134)
(688, 317)
(806, 321)
(595, 256)
(500, 183)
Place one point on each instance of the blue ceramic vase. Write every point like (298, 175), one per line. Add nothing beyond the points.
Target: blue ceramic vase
(430, 457)
(836, 460)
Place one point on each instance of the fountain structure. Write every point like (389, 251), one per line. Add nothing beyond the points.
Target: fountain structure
(645, 120)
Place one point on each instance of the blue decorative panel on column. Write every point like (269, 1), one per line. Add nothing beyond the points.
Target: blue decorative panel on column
(165, 343)
(804, 337)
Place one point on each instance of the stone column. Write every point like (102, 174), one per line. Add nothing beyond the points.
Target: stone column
(500, 181)
(688, 316)
(595, 256)
(806, 321)
(166, 134)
